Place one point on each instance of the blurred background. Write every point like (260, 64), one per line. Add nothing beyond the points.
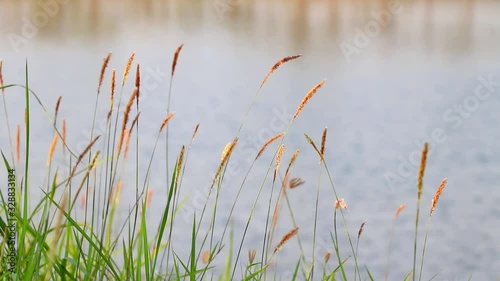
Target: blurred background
(398, 73)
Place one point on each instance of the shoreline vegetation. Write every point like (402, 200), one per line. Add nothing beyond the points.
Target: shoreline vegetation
(48, 241)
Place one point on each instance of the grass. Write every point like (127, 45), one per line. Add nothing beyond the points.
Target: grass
(54, 241)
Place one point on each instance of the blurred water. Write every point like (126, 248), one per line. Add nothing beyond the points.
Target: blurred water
(398, 73)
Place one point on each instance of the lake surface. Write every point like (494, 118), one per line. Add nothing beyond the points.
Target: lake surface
(397, 74)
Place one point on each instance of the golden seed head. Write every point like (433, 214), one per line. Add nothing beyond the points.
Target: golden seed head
(176, 57)
(52, 148)
(165, 121)
(251, 255)
(58, 103)
(437, 195)
(323, 142)
(421, 171)
(398, 211)
(103, 70)
(268, 142)
(285, 239)
(195, 130)
(205, 257)
(180, 162)
(307, 97)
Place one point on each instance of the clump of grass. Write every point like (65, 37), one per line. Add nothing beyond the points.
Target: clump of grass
(59, 242)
